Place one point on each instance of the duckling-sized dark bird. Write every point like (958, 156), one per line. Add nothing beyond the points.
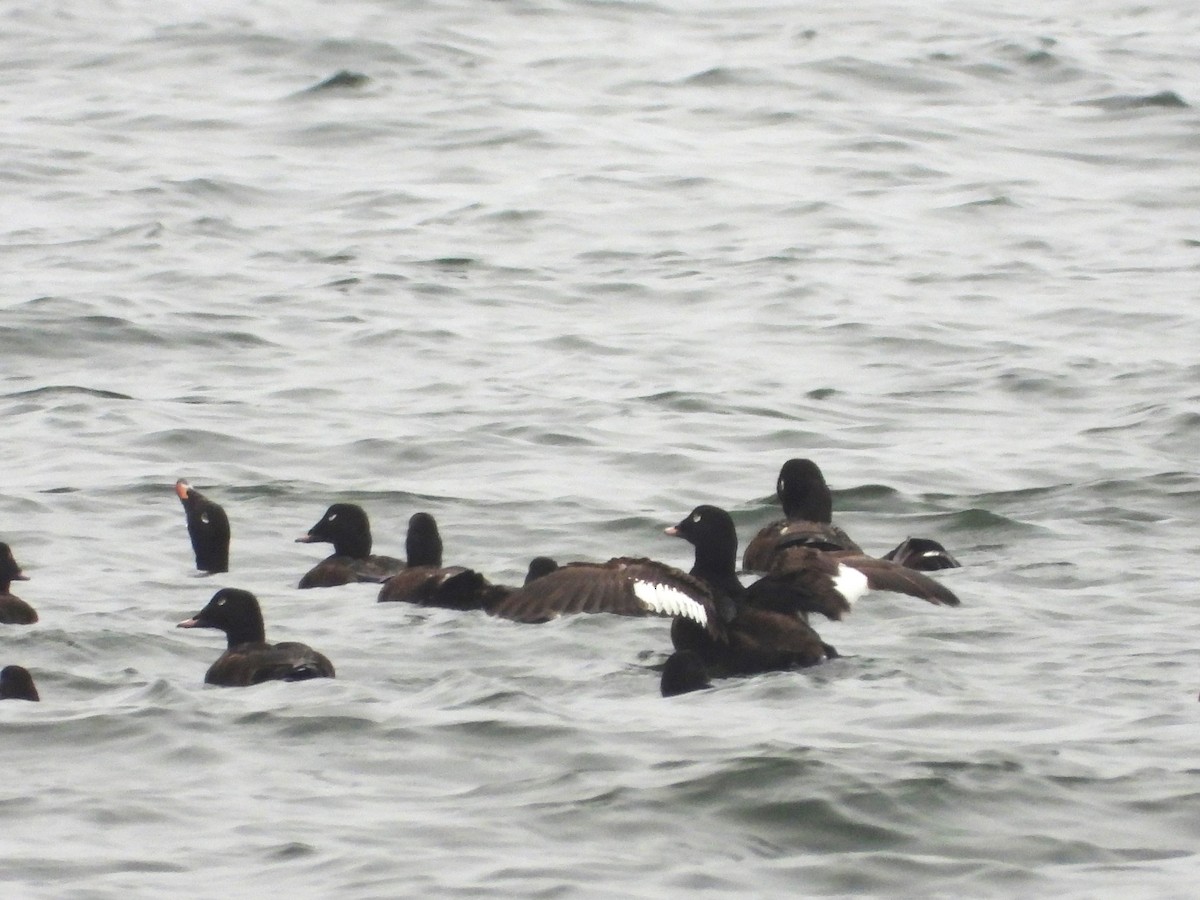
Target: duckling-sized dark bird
(208, 528)
(683, 673)
(346, 526)
(17, 684)
(248, 658)
(13, 610)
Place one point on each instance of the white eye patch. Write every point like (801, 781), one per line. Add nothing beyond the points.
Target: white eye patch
(696, 517)
(204, 518)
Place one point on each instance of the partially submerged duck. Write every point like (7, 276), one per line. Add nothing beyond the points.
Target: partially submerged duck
(13, 610)
(208, 529)
(922, 554)
(683, 673)
(17, 684)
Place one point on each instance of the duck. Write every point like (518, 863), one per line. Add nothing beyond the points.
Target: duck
(17, 684)
(346, 526)
(426, 582)
(763, 627)
(808, 521)
(808, 514)
(922, 554)
(13, 610)
(683, 672)
(208, 528)
(733, 629)
(248, 659)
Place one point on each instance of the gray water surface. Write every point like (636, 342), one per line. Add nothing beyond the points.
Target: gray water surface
(557, 272)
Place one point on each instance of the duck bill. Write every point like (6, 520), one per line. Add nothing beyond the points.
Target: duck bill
(182, 489)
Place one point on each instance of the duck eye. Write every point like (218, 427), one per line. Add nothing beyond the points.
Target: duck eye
(221, 602)
(204, 518)
(779, 486)
(331, 517)
(696, 517)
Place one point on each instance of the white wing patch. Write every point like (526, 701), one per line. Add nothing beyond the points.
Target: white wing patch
(668, 601)
(850, 583)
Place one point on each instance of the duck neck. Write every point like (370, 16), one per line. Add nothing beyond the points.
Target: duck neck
(811, 506)
(356, 546)
(249, 630)
(423, 549)
(718, 567)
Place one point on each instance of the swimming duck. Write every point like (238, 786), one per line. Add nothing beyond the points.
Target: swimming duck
(808, 511)
(13, 610)
(808, 514)
(922, 554)
(346, 526)
(426, 582)
(17, 684)
(248, 658)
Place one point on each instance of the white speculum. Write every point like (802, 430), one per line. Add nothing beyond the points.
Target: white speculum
(850, 583)
(669, 601)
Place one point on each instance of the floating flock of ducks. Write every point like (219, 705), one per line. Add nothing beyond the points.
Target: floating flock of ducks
(720, 627)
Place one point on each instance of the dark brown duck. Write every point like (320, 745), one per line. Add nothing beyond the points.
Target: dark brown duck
(248, 658)
(346, 526)
(13, 610)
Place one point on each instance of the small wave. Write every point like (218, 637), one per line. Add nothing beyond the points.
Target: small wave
(1120, 102)
(68, 390)
(340, 81)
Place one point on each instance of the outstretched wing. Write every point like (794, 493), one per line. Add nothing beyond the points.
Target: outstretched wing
(885, 575)
(881, 574)
(820, 584)
(623, 586)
